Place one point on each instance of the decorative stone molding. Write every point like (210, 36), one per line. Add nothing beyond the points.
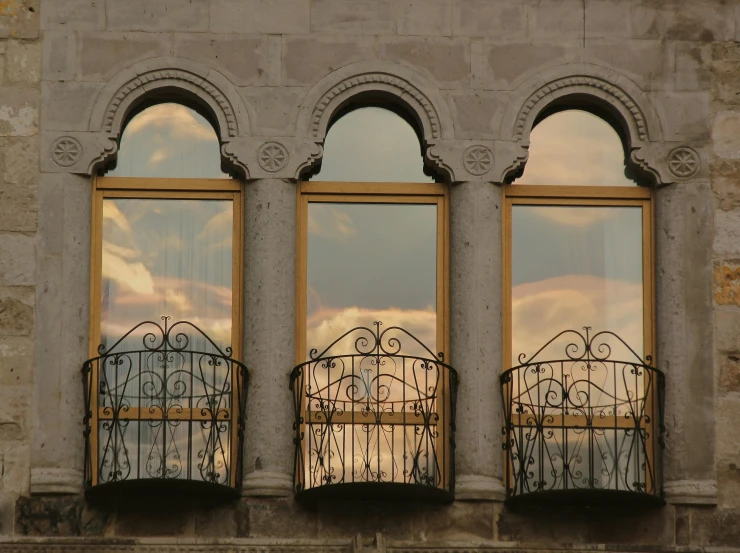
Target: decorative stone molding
(479, 488)
(170, 545)
(56, 481)
(475, 160)
(683, 162)
(658, 159)
(283, 158)
(75, 152)
(66, 151)
(691, 492)
(478, 160)
(268, 484)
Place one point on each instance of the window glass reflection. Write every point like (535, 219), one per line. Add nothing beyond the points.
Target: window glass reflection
(371, 262)
(168, 140)
(576, 266)
(575, 148)
(372, 145)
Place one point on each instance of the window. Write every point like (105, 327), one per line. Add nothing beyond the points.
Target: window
(581, 399)
(372, 249)
(165, 388)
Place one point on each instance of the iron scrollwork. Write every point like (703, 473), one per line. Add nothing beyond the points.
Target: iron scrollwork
(583, 421)
(164, 402)
(377, 414)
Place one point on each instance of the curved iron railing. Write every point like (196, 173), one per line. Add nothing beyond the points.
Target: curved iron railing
(164, 403)
(375, 415)
(583, 422)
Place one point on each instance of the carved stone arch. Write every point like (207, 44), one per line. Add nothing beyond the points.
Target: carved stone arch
(84, 152)
(629, 105)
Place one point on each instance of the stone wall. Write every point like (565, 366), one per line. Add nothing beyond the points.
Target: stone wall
(20, 76)
(477, 61)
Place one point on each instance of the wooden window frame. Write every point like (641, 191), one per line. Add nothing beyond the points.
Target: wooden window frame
(169, 189)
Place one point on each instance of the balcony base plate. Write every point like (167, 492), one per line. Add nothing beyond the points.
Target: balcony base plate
(160, 487)
(374, 491)
(584, 498)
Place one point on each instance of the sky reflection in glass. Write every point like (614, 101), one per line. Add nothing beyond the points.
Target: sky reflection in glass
(168, 140)
(372, 145)
(575, 148)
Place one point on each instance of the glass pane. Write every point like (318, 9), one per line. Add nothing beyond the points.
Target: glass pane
(575, 266)
(165, 257)
(575, 148)
(372, 145)
(169, 140)
(371, 262)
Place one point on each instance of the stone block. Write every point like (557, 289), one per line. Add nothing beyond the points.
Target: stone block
(727, 233)
(73, 15)
(654, 526)
(424, 17)
(338, 520)
(15, 414)
(463, 521)
(260, 16)
(213, 519)
(16, 311)
(446, 61)
(706, 21)
(102, 55)
(365, 17)
(268, 516)
(727, 330)
(242, 59)
(154, 516)
(476, 114)
(726, 134)
(306, 59)
(16, 467)
(684, 115)
(726, 183)
(692, 66)
(727, 282)
(19, 114)
(59, 56)
(561, 526)
(556, 19)
(23, 62)
(63, 516)
(608, 19)
(19, 19)
(483, 18)
(17, 255)
(3, 48)
(715, 527)
(18, 209)
(162, 15)
(504, 66)
(66, 106)
(7, 513)
(644, 61)
(16, 360)
(273, 111)
(51, 204)
(645, 20)
(21, 159)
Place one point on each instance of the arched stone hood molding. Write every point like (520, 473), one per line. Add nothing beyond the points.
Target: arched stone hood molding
(664, 162)
(410, 90)
(84, 152)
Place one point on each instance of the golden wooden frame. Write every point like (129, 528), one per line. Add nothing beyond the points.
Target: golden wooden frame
(381, 193)
(171, 189)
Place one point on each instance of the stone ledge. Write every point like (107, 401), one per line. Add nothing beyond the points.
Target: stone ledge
(691, 492)
(267, 484)
(479, 488)
(56, 481)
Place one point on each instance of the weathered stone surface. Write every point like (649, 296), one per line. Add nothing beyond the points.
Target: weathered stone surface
(645, 20)
(260, 16)
(506, 64)
(274, 111)
(163, 15)
(102, 55)
(242, 59)
(726, 134)
(470, 522)
(445, 61)
(158, 516)
(7, 513)
(20, 160)
(67, 105)
(685, 115)
(481, 18)
(692, 66)
(18, 111)
(267, 516)
(608, 19)
(15, 413)
(59, 56)
(73, 15)
(16, 360)
(16, 456)
(16, 259)
(476, 114)
(19, 19)
(715, 527)
(62, 516)
(16, 311)
(727, 330)
(370, 17)
(727, 282)
(561, 19)
(308, 59)
(644, 61)
(424, 17)
(727, 237)
(23, 62)
(705, 21)
(564, 525)
(18, 209)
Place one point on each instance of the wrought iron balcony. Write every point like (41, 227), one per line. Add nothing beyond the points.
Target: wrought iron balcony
(164, 408)
(582, 426)
(377, 422)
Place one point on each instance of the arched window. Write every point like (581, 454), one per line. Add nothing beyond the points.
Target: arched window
(578, 316)
(166, 307)
(372, 248)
